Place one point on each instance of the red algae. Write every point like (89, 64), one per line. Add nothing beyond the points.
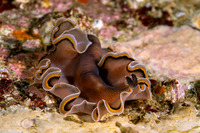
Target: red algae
(159, 90)
(22, 35)
(6, 5)
(145, 16)
(5, 84)
(5, 87)
(36, 102)
(149, 109)
(83, 1)
(151, 21)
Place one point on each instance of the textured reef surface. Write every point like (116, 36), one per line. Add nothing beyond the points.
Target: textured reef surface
(163, 35)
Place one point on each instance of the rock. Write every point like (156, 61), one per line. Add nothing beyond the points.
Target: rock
(167, 52)
(97, 24)
(31, 45)
(194, 19)
(125, 129)
(28, 123)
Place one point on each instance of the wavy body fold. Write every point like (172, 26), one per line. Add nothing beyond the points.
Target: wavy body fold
(86, 77)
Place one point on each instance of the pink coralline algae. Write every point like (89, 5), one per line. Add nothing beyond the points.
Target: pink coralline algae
(179, 91)
(171, 91)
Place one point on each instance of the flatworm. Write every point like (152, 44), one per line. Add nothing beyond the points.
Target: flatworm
(89, 79)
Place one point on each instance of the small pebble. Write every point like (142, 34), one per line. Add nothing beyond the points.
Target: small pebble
(28, 123)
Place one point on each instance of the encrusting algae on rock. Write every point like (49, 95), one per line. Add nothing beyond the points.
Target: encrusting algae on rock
(89, 79)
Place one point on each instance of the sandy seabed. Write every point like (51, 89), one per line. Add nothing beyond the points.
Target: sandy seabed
(19, 119)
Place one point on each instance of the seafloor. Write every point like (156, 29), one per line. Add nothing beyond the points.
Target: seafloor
(161, 34)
